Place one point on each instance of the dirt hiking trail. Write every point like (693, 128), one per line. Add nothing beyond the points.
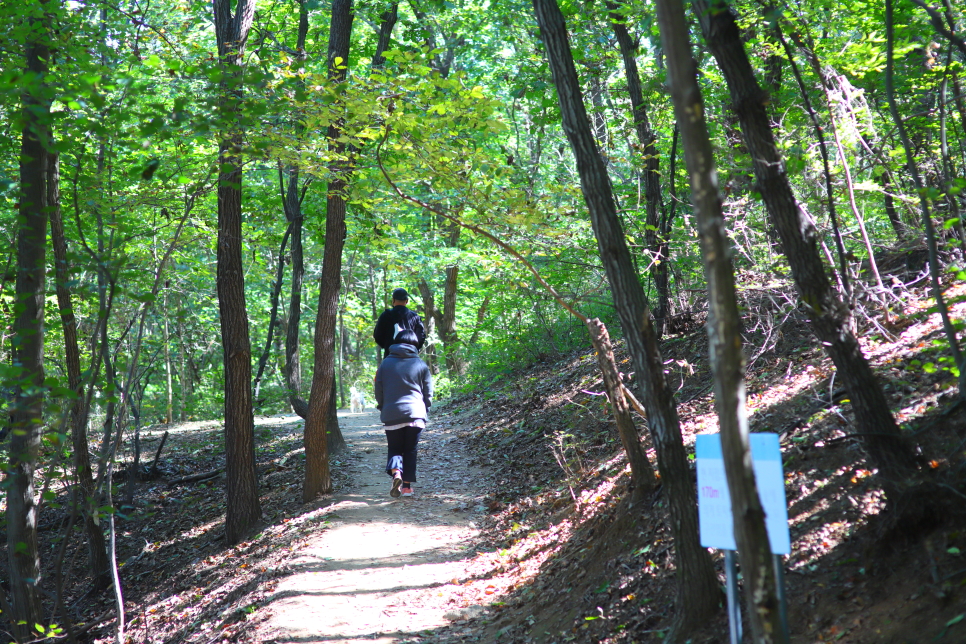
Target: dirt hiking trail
(384, 570)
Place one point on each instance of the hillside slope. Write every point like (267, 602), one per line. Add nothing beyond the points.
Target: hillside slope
(581, 563)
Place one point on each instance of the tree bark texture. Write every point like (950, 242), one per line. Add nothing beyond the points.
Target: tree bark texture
(647, 139)
(698, 589)
(830, 318)
(386, 23)
(97, 548)
(26, 418)
(293, 368)
(641, 471)
(724, 330)
(243, 507)
(318, 479)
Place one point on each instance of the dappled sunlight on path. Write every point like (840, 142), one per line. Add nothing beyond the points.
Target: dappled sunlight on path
(384, 569)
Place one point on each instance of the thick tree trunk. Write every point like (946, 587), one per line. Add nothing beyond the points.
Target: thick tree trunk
(724, 329)
(318, 479)
(830, 318)
(97, 548)
(26, 418)
(658, 248)
(243, 507)
(698, 590)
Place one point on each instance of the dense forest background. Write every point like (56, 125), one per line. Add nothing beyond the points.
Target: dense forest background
(204, 207)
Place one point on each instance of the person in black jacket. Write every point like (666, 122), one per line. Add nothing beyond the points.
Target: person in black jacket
(404, 394)
(399, 315)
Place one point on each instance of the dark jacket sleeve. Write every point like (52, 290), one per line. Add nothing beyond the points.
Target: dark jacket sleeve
(385, 329)
(417, 327)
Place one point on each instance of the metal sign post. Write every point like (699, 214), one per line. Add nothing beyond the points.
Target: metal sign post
(734, 608)
(717, 523)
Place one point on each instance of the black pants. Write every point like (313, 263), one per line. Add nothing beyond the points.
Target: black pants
(402, 444)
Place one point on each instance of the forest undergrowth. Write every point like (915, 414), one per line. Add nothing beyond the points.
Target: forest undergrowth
(564, 553)
(584, 563)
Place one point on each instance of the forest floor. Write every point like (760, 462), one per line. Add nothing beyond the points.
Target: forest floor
(522, 528)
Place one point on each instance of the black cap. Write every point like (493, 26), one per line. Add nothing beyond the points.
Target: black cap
(400, 295)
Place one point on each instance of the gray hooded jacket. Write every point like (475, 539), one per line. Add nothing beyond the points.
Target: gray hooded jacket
(404, 386)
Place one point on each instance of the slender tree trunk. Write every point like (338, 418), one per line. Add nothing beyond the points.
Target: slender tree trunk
(243, 507)
(937, 290)
(169, 415)
(430, 313)
(826, 166)
(641, 471)
(698, 590)
(318, 479)
(273, 316)
(386, 23)
(97, 548)
(293, 368)
(480, 318)
(647, 140)
(830, 317)
(949, 168)
(26, 418)
(183, 378)
(850, 187)
(292, 206)
(447, 323)
(724, 329)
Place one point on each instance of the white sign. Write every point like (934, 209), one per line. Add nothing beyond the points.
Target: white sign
(714, 502)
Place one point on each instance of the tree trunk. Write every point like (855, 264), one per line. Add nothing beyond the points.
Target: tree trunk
(447, 323)
(97, 548)
(641, 471)
(386, 23)
(937, 290)
(658, 248)
(169, 408)
(724, 330)
(698, 591)
(318, 479)
(293, 368)
(843, 275)
(26, 418)
(830, 318)
(243, 507)
(430, 313)
(292, 206)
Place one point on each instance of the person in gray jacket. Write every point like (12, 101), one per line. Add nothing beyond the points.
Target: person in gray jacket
(404, 394)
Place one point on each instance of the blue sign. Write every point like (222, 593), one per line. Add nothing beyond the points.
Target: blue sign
(714, 502)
